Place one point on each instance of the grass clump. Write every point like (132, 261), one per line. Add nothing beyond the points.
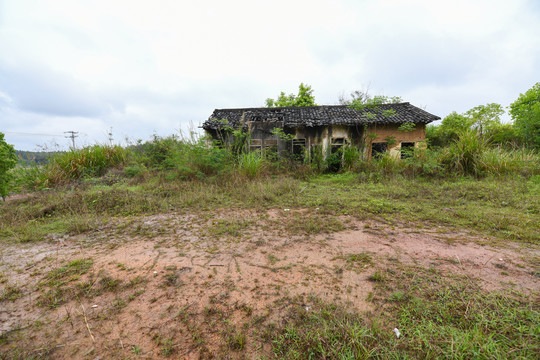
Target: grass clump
(87, 162)
(56, 281)
(71, 271)
(250, 164)
(11, 293)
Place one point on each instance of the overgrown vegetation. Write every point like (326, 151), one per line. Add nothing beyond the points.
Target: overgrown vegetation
(469, 179)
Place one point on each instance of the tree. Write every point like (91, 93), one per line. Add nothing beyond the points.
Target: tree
(452, 125)
(8, 160)
(525, 112)
(358, 96)
(485, 118)
(304, 98)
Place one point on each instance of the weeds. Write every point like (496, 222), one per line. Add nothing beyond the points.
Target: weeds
(11, 293)
(90, 161)
(250, 164)
(438, 318)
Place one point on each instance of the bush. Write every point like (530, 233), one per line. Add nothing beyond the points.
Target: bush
(90, 161)
(351, 157)
(317, 158)
(250, 164)
(463, 156)
(190, 158)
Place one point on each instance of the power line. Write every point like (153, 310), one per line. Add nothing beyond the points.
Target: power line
(30, 134)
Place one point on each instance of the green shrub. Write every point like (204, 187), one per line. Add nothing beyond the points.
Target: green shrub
(388, 164)
(498, 161)
(90, 161)
(250, 164)
(351, 156)
(463, 156)
(317, 158)
(29, 178)
(134, 170)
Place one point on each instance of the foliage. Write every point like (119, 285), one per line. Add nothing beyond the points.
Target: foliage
(351, 157)
(86, 162)
(390, 141)
(525, 112)
(360, 96)
(317, 157)
(361, 103)
(250, 164)
(463, 156)
(485, 118)
(304, 98)
(34, 157)
(407, 127)
(452, 125)
(8, 160)
(186, 158)
(280, 133)
(334, 160)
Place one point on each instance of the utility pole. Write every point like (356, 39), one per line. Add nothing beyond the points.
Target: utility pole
(73, 135)
(110, 136)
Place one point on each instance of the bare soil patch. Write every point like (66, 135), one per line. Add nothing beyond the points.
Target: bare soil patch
(199, 285)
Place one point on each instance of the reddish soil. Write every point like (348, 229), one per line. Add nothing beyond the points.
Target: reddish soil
(194, 280)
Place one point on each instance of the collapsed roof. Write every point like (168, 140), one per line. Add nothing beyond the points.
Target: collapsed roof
(312, 116)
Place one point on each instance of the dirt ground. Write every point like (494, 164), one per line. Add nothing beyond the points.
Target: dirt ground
(185, 286)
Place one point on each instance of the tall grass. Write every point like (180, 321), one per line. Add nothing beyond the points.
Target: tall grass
(89, 161)
(463, 156)
(250, 164)
(197, 159)
(351, 157)
(186, 157)
(499, 161)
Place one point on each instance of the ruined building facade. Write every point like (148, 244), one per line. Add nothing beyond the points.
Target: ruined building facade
(373, 129)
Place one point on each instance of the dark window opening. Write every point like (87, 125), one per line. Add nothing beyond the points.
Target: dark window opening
(299, 149)
(377, 149)
(407, 149)
(335, 158)
(337, 143)
(255, 145)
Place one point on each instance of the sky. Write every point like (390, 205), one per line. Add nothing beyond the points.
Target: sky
(128, 70)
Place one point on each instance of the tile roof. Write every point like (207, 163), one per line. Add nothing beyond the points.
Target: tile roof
(311, 116)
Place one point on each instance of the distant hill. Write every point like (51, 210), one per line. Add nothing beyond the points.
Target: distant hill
(35, 157)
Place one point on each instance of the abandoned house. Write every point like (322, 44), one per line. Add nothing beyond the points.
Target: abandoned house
(298, 130)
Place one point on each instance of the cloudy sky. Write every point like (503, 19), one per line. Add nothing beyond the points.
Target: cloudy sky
(139, 67)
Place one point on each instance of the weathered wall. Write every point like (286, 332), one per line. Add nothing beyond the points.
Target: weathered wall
(263, 138)
(391, 130)
(324, 135)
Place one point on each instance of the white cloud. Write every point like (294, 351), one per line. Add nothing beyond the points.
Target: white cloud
(143, 66)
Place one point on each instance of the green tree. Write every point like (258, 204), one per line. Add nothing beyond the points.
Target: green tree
(452, 125)
(8, 160)
(485, 118)
(362, 102)
(304, 98)
(525, 112)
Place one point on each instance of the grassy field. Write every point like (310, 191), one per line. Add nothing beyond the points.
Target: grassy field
(204, 260)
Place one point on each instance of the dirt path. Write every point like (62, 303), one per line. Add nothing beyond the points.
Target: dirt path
(158, 285)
